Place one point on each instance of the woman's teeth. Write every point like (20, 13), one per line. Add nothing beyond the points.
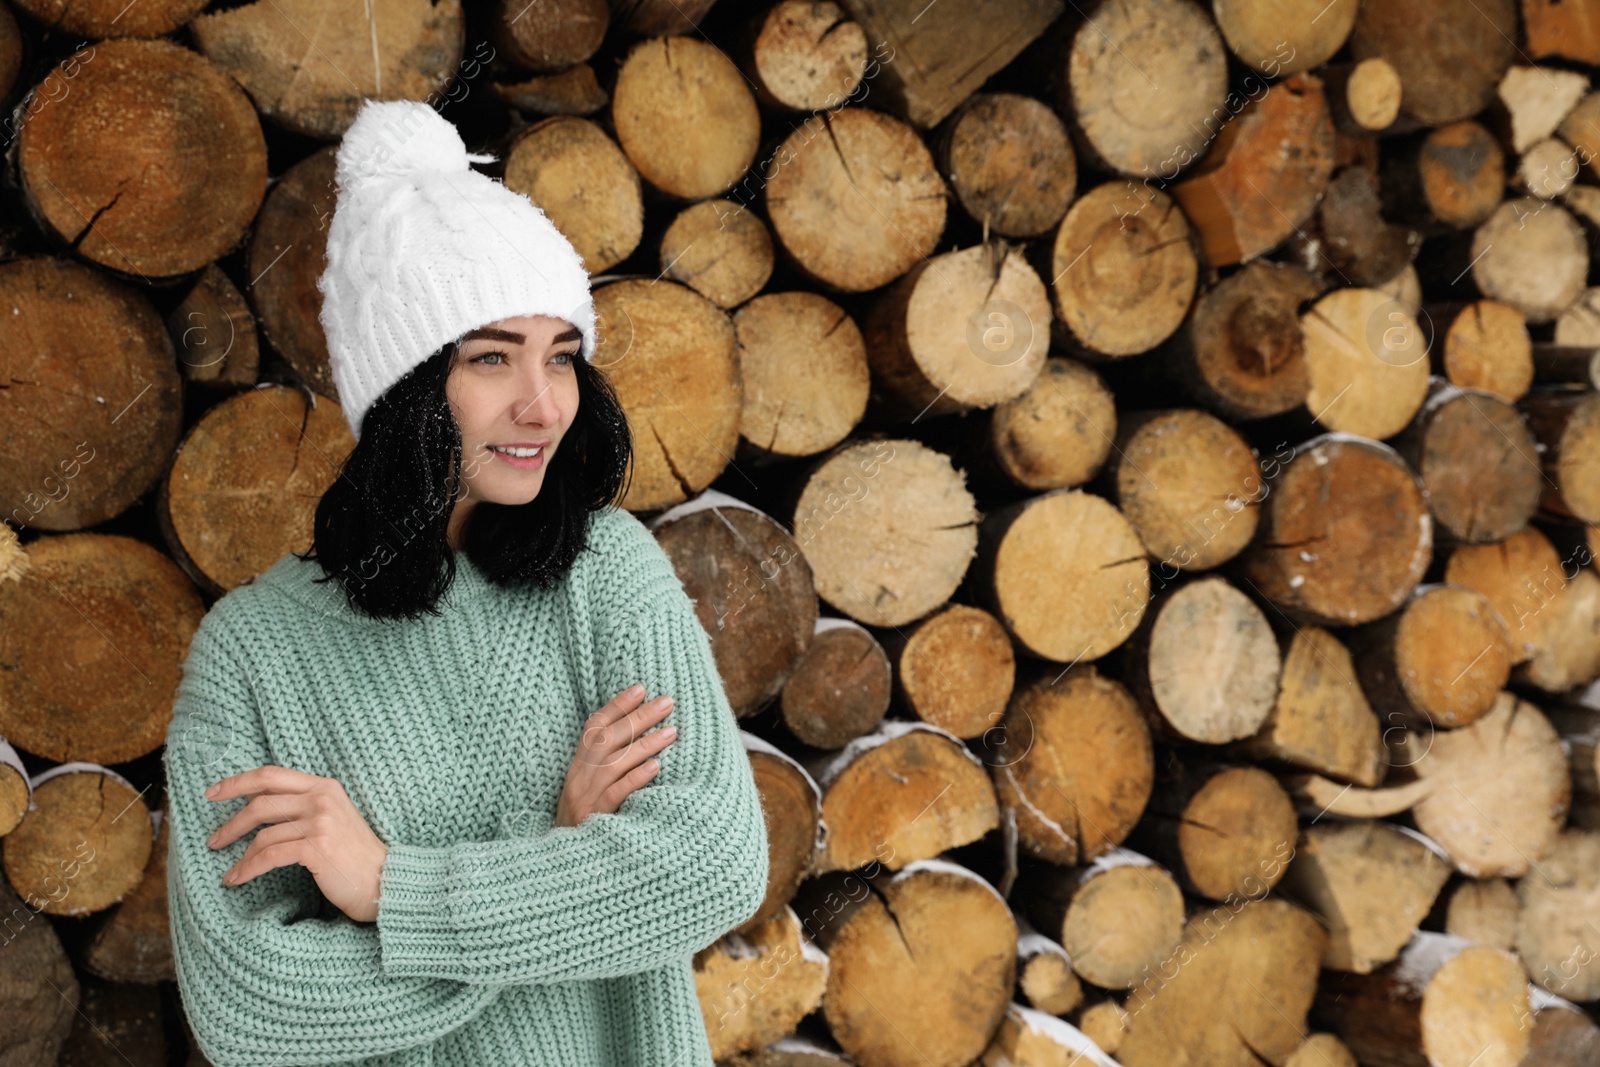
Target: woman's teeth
(521, 453)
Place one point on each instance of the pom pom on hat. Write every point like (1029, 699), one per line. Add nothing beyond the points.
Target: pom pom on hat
(422, 248)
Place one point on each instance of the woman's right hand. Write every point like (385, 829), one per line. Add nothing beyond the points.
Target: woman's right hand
(614, 755)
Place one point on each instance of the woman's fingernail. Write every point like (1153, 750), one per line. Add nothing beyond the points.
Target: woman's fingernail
(636, 691)
(211, 790)
(669, 731)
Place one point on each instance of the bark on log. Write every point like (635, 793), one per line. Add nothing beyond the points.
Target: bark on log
(41, 1000)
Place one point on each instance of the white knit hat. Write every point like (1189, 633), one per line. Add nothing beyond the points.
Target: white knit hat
(422, 248)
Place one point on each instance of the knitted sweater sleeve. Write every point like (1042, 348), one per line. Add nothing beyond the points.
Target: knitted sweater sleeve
(262, 980)
(679, 864)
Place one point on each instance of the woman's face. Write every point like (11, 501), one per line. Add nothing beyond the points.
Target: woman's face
(513, 387)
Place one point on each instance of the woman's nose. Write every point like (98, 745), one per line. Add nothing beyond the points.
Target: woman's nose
(537, 403)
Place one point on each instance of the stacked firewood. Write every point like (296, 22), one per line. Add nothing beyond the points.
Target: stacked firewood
(1138, 465)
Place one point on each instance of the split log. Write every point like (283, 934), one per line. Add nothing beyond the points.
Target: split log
(857, 201)
(392, 50)
(1521, 576)
(1235, 993)
(84, 846)
(1372, 884)
(1118, 918)
(1283, 38)
(185, 197)
(954, 669)
(791, 801)
(134, 943)
(1242, 352)
(1451, 71)
(751, 588)
(269, 451)
(685, 116)
(1487, 348)
(583, 182)
(1044, 971)
(1056, 435)
(1224, 831)
(965, 329)
(1223, 196)
(82, 352)
(1346, 537)
(1477, 461)
(722, 252)
(668, 335)
(288, 253)
(805, 56)
(1439, 662)
(940, 56)
(1366, 361)
(899, 495)
(1484, 910)
(1065, 572)
(922, 970)
(1105, 83)
(215, 334)
(1027, 1037)
(1560, 901)
(549, 37)
(1444, 1003)
(89, 607)
(1075, 764)
(574, 91)
(905, 792)
(754, 987)
(1533, 101)
(1189, 484)
(1135, 290)
(1205, 664)
(840, 688)
(1321, 719)
(1531, 254)
(40, 1001)
(1509, 763)
(1010, 163)
(1566, 423)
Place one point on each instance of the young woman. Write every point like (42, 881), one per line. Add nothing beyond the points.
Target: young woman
(421, 811)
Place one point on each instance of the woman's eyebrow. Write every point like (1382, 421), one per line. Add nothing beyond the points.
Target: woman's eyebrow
(492, 333)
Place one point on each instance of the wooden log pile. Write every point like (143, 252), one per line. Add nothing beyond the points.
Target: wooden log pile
(1138, 466)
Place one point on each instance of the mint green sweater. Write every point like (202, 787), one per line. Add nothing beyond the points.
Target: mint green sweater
(501, 938)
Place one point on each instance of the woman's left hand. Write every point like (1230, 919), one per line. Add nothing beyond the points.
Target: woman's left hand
(310, 821)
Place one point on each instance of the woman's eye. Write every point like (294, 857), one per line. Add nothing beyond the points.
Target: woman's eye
(568, 356)
(486, 355)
